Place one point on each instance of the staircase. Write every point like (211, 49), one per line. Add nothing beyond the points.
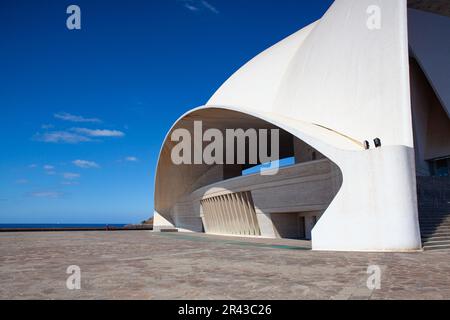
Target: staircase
(435, 230)
(434, 212)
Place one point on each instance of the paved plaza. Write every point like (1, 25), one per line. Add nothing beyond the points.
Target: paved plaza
(148, 265)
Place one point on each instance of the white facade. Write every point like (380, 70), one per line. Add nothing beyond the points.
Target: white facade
(333, 85)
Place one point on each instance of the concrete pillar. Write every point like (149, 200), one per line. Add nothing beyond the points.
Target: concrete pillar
(310, 221)
(265, 224)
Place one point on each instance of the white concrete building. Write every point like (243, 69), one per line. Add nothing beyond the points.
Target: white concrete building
(366, 70)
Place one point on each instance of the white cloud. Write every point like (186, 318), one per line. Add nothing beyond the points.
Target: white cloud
(69, 183)
(197, 5)
(22, 181)
(60, 137)
(71, 176)
(74, 135)
(46, 194)
(190, 7)
(50, 170)
(32, 166)
(73, 118)
(85, 164)
(131, 159)
(99, 132)
(210, 7)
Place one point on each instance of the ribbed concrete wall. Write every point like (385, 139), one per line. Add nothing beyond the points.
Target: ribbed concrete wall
(232, 213)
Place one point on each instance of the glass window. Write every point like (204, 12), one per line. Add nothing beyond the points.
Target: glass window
(266, 166)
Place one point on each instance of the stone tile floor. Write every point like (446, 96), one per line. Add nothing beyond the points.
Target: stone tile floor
(147, 265)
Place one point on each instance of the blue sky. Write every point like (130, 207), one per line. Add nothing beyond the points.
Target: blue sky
(83, 112)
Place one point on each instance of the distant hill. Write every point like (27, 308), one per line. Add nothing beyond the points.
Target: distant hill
(148, 222)
(144, 225)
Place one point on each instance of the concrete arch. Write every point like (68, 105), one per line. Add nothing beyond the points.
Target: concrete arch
(173, 183)
(362, 216)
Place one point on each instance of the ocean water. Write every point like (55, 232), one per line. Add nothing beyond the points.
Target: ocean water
(57, 225)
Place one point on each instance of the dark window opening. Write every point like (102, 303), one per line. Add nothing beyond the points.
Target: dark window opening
(440, 167)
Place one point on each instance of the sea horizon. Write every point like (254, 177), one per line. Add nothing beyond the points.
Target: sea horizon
(58, 225)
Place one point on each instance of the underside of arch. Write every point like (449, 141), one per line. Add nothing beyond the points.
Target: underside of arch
(219, 199)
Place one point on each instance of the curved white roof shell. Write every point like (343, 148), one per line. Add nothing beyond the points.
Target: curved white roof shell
(330, 74)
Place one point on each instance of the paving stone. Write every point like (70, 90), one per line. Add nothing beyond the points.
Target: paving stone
(147, 265)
